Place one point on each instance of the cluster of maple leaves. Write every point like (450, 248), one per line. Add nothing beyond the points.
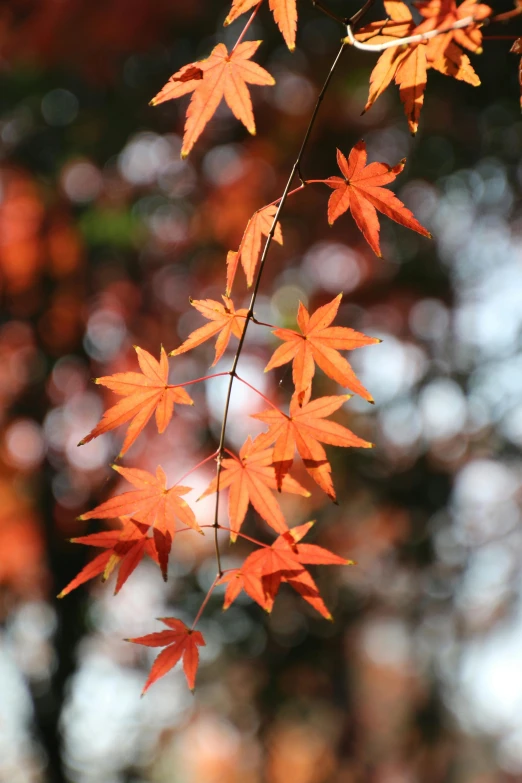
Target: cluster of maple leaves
(149, 513)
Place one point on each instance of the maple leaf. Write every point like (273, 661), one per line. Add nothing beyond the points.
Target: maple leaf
(124, 548)
(408, 65)
(442, 14)
(360, 190)
(151, 504)
(405, 64)
(250, 478)
(224, 319)
(264, 570)
(144, 394)
(249, 251)
(285, 16)
(223, 74)
(319, 343)
(305, 428)
(181, 641)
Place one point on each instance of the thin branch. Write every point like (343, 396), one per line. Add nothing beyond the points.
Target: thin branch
(411, 39)
(357, 17)
(295, 170)
(327, 12)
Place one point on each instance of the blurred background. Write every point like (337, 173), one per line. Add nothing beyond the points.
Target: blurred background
(104, 235)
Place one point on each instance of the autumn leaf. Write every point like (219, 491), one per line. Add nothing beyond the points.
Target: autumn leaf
(453, 62)
(305, 429)
(125, 549)
(441, 15)
(360, 190)
(151, 504)
(144, 394)
(285, 16)
(404, 64)
(224, 319)
(319, 343)
(179, 642)
(263, 571)
(250, 477)
(407, 65)
(249, 251)
(223, 74)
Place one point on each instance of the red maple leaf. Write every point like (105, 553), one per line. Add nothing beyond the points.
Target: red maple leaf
(144, 394)
(151, 504)
(250, 478)
(264, 570)
(224, 319)
(305, 428)
(319, 343)
(361, 191)
(181, 641)
(223, 74)
(125, 548)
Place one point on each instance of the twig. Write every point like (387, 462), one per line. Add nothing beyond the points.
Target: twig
(350, 39)
(327, 12)
(356, 18)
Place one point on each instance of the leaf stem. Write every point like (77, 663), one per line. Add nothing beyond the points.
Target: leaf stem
(199, 465)
(199, 380)
(206, 600)
(262, 323)
(247, 538)
(290, 193)
(246, 383)
(245, 28)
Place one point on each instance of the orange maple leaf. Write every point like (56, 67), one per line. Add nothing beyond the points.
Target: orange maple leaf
(151, 504)
(360, 190)
(305, 428)
(225, 320)
(319, 343)
(249, 251)
(181, 641)
(223, 74)
(144, 394)
(441, 14)
(408, 64)
(125, 548)
(405, 64)
(264, 570)
(250, 478)
(285, 16)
